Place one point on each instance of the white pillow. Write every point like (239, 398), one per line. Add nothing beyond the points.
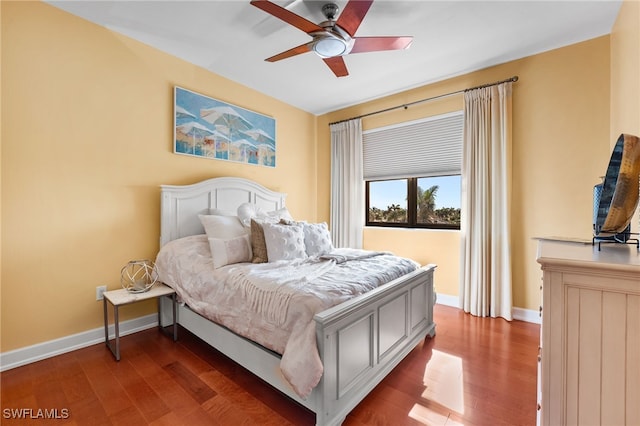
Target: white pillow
(284, 242)
(223, 227)
(317, 239)
(276, 215)
(248, 211)
(234, 250)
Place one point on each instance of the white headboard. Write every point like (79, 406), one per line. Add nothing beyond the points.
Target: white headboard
(180, 205)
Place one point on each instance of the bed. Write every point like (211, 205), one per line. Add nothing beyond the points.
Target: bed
(359, 341)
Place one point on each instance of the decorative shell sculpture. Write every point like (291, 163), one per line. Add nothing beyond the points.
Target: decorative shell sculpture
(138, 276)
(620, 188)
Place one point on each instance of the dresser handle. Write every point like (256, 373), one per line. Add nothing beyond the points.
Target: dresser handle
(539, 406)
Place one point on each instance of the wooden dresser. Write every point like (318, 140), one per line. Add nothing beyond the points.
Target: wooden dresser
(589, 369)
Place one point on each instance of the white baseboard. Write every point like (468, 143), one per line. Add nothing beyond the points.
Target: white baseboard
(29, 354)
(521, 314)
(447, 300)
(40, 351)
(528, 315)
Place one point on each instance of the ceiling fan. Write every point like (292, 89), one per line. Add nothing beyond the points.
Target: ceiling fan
(333, 39)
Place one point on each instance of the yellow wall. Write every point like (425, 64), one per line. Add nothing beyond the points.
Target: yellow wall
(625, 71)
(625, 78)
(560, 147)
(87, 138)
(87, 127)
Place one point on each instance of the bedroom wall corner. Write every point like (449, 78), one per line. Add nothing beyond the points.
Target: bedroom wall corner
(625, 71)
(87, 128)
(625, 78)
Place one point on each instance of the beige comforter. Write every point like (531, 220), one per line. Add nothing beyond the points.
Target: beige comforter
(274, 303)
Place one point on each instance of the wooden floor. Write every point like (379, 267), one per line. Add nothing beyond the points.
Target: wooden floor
(476, 371)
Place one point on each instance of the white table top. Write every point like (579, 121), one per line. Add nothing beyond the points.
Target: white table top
(614, 256)
(123, 297)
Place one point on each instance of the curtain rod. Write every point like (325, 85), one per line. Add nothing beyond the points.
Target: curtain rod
(405, 106)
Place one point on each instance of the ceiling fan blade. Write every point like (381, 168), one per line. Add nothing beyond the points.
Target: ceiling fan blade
(337, 65)
(287, 16)
(352, 15)
(303, 48)
(376, 44)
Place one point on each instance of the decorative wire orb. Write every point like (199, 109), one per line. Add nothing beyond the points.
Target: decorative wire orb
(138, 276)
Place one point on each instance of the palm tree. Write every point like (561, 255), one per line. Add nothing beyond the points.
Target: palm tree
(448, 215)
(395, 213)
(427, 204)
(376, 215)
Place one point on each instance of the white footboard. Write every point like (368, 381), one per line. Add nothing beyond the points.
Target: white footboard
(362, 340)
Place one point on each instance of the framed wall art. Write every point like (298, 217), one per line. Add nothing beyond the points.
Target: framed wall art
(209, 128)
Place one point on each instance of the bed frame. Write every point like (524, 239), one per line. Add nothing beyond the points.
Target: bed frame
(359, 341)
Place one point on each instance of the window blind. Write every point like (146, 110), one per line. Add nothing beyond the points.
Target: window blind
(420, 148)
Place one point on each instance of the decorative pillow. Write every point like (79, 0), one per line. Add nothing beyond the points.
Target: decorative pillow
(223, 227)
(234, 250)
(317, 239)
(248, 211)
(258, 245)
(284, 242)
(276, 215)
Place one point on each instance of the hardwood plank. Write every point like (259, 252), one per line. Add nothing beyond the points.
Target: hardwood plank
(16, 386)
(246, 400)
(190, 382)
(128, 416)
(225, 412)
(75, 384)
(107, 389)
(177, 399)
(145, 399)
(476, 371)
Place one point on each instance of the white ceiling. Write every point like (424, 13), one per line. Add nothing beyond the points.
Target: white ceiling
(232, 39)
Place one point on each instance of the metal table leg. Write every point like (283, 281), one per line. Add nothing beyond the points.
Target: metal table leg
(174, 303)
(115, 351)
(175, 323)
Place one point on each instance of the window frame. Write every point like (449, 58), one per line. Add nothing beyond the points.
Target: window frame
(412, 208)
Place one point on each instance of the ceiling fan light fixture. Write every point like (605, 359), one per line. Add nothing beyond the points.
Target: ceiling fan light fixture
(334, 38)
(328, 47)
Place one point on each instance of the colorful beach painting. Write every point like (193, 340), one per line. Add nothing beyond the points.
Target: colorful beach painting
(209, 128)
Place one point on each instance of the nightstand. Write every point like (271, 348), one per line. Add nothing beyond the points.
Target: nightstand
(122, 297)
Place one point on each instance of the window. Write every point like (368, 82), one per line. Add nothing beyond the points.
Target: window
(387, 201)
(430, 202)
(412, 173)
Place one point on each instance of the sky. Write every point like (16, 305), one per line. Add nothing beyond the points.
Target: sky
(384, 193)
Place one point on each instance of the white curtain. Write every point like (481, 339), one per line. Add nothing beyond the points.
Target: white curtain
(347, 185)
(485, 228)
